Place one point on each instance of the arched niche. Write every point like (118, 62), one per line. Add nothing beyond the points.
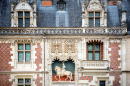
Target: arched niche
(69, 66)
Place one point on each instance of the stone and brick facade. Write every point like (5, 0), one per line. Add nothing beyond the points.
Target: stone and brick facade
(63, 34)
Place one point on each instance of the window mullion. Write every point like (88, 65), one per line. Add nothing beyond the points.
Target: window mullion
(23, 19)
(24, 51)
(94, 19)
(93, 51)
(100, 51)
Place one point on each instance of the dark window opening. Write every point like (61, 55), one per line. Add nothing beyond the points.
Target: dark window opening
(102, 83)
(61, 5)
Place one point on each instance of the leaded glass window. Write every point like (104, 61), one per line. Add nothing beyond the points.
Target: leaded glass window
(94, 51)
(94, 19)
(24, 52)
(24, 82)
(23, 19)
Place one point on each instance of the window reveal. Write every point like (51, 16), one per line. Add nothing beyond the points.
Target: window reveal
(24, 52)
(23, 19)
(94, 51)
(94, 19)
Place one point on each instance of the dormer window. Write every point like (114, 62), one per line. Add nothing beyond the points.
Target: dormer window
(61, 5)
(23, 14)
(23, 19)
(94, 14)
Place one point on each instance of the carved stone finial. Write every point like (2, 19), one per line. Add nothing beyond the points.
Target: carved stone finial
(123, 20)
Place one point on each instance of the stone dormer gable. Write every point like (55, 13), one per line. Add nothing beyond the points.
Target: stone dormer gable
(23, 6)
(94, 5)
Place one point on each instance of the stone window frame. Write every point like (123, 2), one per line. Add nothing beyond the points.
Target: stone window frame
(24, 52)
(101, 52)
(24, 17)
(24, 77)
(24, 82)
(94, 17)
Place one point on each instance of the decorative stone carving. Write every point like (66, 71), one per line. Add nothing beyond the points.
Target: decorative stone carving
(123, 20)
(23, 6)
(62, 72)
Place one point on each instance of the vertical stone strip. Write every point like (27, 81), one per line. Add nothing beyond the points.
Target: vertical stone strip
(5, 58)
(38, 60)
(115, 62)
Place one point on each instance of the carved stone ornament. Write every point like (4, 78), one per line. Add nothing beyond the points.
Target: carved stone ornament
(60, 72)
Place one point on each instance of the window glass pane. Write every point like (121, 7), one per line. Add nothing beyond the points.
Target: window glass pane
(27, 46)
(27, 56)
(20, 81)
(97, 46)
(20, 56)
(27, 22)
(102, 83)
(97, 55)
(20, 22)
(20, 46)
(27, 14)
(97, 14)
(90, 14)
(90, 22)
(90, 55)
(97, 22)
(27, 81)
(20, 14)
(90, 46)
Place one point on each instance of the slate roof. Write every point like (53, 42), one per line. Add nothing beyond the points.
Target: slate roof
(49, 17)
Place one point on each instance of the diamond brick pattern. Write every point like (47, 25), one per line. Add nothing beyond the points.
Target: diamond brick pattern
(38, 60)
(114, 62)
(117, 79)
(38, 80)
(4, 80)
(90, 78)
(5, 57)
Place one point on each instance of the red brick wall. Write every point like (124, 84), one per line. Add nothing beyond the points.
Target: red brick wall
(5, 57)
(117, 78)
(38, 60)
(46, 3)
(90, 78)
(114, 62)
(4, 80)
(38, 80)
